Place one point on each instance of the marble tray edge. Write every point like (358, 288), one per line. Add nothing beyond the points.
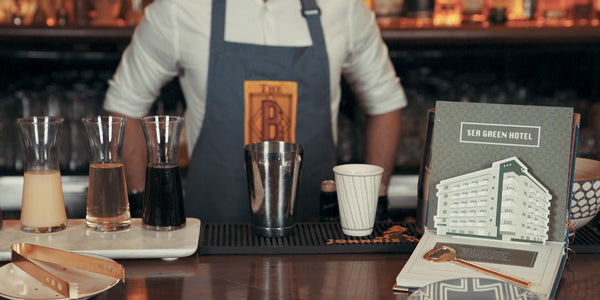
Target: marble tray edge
(192, 231)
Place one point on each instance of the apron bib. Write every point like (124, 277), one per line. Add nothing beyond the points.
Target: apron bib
(260, 93)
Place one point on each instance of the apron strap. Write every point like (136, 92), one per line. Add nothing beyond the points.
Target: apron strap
(310, 8)
(312, 14)
(217, 23)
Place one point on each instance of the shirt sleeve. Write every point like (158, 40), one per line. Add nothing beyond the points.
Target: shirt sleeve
(368, 68)
(148, 62)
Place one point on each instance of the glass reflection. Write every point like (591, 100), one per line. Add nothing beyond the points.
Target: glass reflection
(273, 280)
(136, 289)
(142, 288)
(350, 280)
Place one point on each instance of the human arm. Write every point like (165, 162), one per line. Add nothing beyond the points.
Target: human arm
(146, 65)
(373, 80)
(134, 154)
(382, 136)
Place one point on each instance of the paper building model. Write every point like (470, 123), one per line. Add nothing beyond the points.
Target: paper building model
(503, 202)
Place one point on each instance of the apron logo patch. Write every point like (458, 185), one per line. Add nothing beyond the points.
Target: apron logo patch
(270, 111)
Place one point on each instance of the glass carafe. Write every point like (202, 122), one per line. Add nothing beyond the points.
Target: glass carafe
(107, 201)
(163, 194)
(43, 206)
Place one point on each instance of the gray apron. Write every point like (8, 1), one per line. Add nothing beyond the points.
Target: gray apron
(216, 188)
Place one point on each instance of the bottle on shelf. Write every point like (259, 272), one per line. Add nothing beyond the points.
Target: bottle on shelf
(419, 13)
(105, 12)
(497, 12)
(581, 11)
(18, 14)
(131, 12)
(521, 10)
(595, 15)
(6, 8)
(473, 11)
(554, 12)
(447, 13)
(82, 10)
(40, 14)
(388, 11)
(62, 14)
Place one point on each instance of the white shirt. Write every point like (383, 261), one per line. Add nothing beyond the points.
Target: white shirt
(174, 38)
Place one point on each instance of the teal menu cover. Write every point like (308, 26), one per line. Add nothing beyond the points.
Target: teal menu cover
(498, 194)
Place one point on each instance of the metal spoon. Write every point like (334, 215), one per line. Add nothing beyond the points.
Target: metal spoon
(445, 253)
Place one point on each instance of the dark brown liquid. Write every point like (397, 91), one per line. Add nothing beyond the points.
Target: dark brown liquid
(163, 197)
(329, 206)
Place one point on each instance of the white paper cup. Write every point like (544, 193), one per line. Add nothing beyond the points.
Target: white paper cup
(357, 191)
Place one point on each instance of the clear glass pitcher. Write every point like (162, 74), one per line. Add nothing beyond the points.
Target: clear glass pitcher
(107, 202)
(43, 206)
(163, 194)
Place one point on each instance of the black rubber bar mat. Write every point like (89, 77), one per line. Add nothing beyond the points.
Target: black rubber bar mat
(322, 238)
(308, 238)
(587, 240)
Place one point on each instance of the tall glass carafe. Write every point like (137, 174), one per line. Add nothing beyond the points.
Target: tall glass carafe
(107, 201)
(43, 206)
(163, 194)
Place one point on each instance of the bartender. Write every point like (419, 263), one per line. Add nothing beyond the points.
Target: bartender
(256, 70)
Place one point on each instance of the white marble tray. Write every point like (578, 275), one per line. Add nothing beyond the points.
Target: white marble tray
(135, 242)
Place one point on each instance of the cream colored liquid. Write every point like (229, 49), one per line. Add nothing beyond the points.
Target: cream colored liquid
(43, 201)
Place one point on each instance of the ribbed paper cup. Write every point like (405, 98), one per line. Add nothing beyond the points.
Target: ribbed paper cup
(357, 191)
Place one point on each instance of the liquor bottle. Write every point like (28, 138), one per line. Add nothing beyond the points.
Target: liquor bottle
(82, 12)
(383, 204)
(553, 12)
(595, 16)
(447, 13)
(329, 210)
(40, 16)
(473, 11)
(382, 213)
(581, 11)
(497, 12)
(131, 12)
(521, 10)
(388, 9)
(105, 13)
(62, 15)
(17, 18)
(420, 11)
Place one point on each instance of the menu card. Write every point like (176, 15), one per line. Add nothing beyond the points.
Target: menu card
(498, 194)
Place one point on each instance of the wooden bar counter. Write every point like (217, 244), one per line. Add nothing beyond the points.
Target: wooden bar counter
(327, 276)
